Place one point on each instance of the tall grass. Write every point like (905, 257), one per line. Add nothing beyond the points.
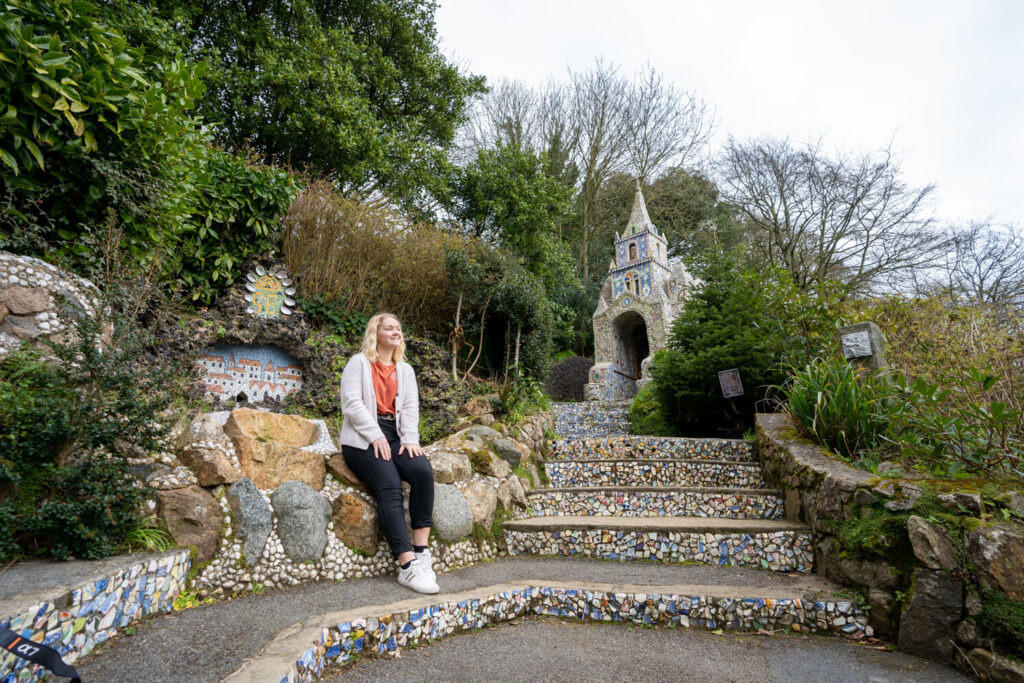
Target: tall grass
(832, 405)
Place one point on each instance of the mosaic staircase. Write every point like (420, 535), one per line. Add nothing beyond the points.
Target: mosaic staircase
(671, 500)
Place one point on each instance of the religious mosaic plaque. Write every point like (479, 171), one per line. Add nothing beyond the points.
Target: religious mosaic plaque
(269, 293)
(730, 382)
(250, 373)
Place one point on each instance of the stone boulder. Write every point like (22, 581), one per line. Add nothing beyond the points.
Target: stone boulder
(517, 490)
(302, 517)
(989, 666)
(343, 473)
(211, 466)
(355, 522)
(966, 500)
(998, 556)
(288, 430)
(930, 543)
(205, 431)
(192, 516)
(449, 466)
(483, 433)
(507, 451)
(927, 625)
(251, 517)
(269, 452)
(453, 518)
(482, 499)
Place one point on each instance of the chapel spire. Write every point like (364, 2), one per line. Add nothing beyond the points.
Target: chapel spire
(639, 219)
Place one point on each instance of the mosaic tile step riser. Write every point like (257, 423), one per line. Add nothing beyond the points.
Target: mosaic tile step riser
(783, 551)
(591, 419)
(567, 473)
(96, 611)
(649, 447)
(656, 504)
(386, 635)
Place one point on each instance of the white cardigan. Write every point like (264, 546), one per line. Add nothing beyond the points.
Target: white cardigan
(359, 404)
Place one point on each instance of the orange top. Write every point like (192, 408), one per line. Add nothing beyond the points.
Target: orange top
(385, 386)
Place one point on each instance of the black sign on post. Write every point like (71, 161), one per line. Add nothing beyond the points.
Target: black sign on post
(731, 384)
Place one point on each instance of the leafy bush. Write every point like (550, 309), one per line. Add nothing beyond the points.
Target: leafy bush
(520, 396)
(647, 416)
(838, 409)
(566, 378)
(65, 415)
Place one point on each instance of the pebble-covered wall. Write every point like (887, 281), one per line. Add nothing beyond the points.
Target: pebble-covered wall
(643, 447)
(386, 635)
(657, 472)
(76, 622)
(655, 503)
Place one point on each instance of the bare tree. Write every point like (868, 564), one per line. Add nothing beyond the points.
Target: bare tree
(985, 264)
(666, 127)
(849, 218)
(600, 106)
(507, 115)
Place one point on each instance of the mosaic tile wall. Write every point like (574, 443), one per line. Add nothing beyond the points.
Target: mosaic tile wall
(91, 614)
(386, 635)
(563, 473)
(660, 503)
(590, 419)
(625, 447)
(781, 551)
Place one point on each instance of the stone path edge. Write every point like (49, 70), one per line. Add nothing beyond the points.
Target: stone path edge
(299, 653)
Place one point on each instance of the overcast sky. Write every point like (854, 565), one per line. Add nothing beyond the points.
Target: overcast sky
(945, 78)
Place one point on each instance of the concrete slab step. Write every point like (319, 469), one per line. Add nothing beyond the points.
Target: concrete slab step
(302, 651)
(654, 501)
(620, 447)
(777, 545)
(654, 472)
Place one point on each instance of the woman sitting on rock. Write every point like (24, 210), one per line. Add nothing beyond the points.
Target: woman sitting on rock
(381, 444)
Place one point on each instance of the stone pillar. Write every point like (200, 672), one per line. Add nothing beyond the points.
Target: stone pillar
(863, 346)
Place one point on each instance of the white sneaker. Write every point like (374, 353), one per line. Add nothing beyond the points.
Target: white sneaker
(415, 578)
(426, 560)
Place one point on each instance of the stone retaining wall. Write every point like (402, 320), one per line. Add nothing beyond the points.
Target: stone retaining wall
(923, 553)
(76, 622)
(643, 447)
(386, 635)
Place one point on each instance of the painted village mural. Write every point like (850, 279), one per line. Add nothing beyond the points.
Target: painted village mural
(251, 373)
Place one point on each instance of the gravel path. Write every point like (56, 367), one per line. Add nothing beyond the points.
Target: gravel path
(548, 650)
(209, 642)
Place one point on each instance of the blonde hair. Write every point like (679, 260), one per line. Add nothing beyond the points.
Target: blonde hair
(370, 338)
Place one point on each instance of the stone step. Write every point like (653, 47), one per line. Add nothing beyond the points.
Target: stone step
(777, 545)
(591, 418)
(657, 472)
(302, 651)
(626, 447)
(644, 501)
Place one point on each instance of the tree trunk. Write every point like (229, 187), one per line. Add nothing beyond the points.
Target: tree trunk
(455, 340)
(519, 332)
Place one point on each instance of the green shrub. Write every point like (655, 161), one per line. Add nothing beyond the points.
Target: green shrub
(647, 416)
(64, 417)
(837, 408)
(566, 378)
(1003, 619)
(520, 396)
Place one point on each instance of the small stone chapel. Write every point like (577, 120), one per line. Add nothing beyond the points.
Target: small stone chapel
(642, 295)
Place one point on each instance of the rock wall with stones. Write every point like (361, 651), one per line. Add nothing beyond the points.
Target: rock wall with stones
(36, 299)
(927, 553)
(385, 635)
(76, 622)
(268, 501)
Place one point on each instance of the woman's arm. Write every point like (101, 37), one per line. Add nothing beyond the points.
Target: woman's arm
(352, 405)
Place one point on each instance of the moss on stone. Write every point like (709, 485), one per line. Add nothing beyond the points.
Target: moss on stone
(1003, 619)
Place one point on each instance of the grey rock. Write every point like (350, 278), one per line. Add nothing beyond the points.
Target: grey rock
(302, 517)
(1013, 500)
(449, 466)
(20, 327)
(927, 626)
(482, 499)
(967, 500)
(864, 497)
(997, 553)
(931, 545)
(453, 519)
(507, 451)
(192, 517)
(996, 668)
(482, 432)
(882, 613)
(251, 517)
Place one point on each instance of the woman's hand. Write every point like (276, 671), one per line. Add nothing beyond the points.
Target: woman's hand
(414, 450)
(382, 449)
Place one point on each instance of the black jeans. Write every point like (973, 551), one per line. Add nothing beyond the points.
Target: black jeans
(383, 479)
